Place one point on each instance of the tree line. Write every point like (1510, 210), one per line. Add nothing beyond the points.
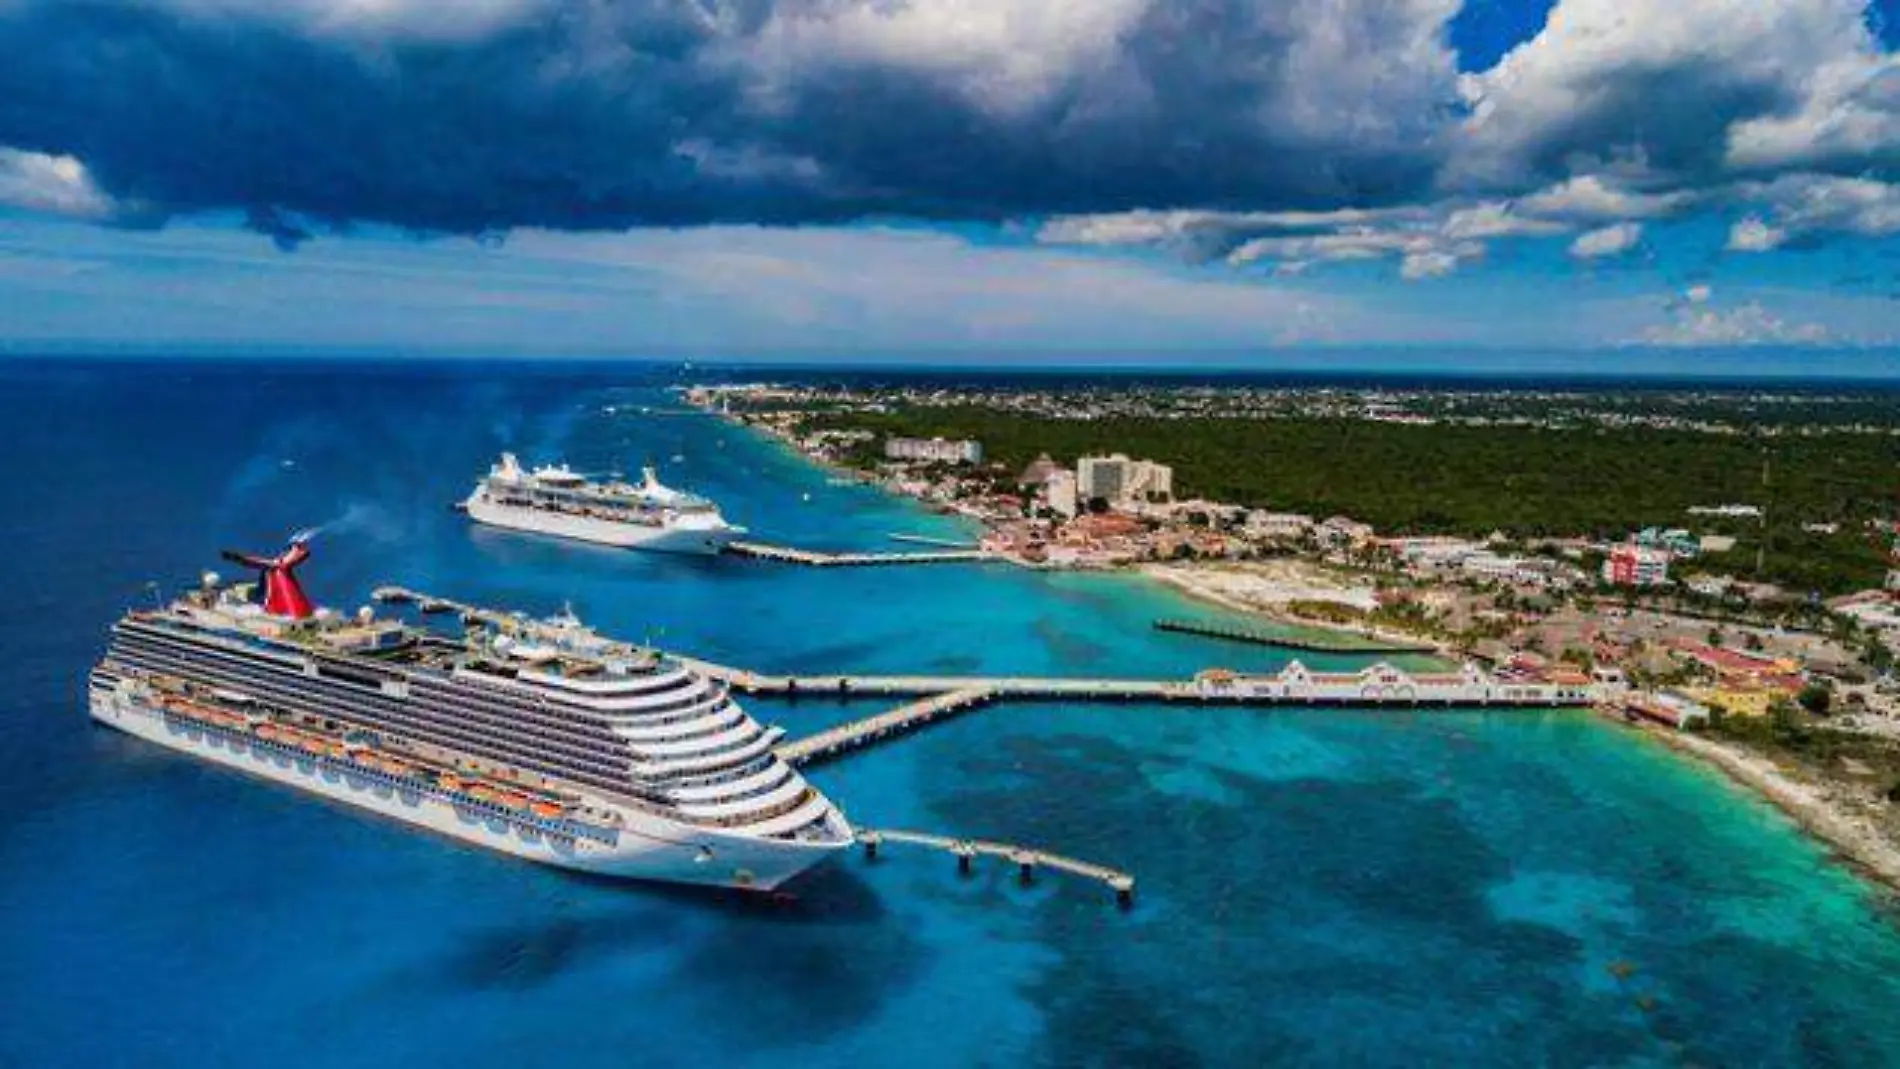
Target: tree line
(1525, 481)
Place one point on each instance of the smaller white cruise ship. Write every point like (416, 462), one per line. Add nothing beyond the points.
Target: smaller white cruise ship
(557, 500)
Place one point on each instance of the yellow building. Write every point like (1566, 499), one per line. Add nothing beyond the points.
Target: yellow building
(1736, 700)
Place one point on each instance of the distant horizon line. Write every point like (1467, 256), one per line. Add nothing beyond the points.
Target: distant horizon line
(907, 362)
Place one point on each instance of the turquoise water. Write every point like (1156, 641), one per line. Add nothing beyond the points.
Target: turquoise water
(1317, 887)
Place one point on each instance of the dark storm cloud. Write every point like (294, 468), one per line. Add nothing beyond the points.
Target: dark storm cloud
(582, 114)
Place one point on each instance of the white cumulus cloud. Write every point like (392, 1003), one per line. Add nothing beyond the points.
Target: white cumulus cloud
(1697, 321)
(1753, 235)
(1612, 240)
(1806, 205)
(1434, 263)
(1652, 89)
(1496, 219)
(1593, 198)
(1750, 324)
(58, 184)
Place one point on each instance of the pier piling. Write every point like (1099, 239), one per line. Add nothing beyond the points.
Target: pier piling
(1025, 867)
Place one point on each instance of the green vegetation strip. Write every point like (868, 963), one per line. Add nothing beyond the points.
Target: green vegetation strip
(1525, 481)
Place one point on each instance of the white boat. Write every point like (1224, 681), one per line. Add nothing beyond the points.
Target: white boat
(556, 500)
(538, 739)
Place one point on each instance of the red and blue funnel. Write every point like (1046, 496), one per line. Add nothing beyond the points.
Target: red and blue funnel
(276, 576)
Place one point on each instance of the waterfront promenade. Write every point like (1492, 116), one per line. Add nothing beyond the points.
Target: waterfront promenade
(1378, 685)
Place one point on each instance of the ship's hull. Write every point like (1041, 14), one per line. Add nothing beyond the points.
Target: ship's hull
(686, 535)
(648, 848)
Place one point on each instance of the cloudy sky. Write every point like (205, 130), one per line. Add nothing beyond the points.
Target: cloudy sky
(1631, 182)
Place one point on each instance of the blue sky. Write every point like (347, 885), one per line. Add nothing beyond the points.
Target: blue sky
(1609, 184)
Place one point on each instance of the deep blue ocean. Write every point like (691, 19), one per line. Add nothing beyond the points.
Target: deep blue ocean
(1317, 887)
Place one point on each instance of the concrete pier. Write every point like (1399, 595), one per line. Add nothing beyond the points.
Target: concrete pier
(859, 733)
(817, 559)
(1025, 860)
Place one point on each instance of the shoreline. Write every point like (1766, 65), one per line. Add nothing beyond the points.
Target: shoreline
(840, 472)
(1850, 842)
(1171, 576)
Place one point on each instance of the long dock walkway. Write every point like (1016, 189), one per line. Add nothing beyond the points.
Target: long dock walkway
(1355, 689)
(1026, 860)
(1264, 637)
(817, 559)
(916, 686)
(905, 718)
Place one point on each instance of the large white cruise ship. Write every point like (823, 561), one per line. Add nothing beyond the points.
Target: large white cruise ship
(540, 739)
(556, 500)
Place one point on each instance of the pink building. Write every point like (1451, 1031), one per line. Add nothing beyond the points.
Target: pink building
(1630, 565)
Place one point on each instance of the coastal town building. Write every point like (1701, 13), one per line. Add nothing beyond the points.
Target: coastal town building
(1874, 611)
(934, 450)
(1119, 480)
(1673, 540)
(1710, 586)
(1668, 708)
(1342, 531)
(1442, 556)
(1060, 493)
(1749, 512)
(1052, 486)
(1519, 571)
(1893, 562)
(1743, 683)
(1467, 685)
(1432, 551)
(1277, 526)
(1038, 471)
(1636, 566)
(1736, 699)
